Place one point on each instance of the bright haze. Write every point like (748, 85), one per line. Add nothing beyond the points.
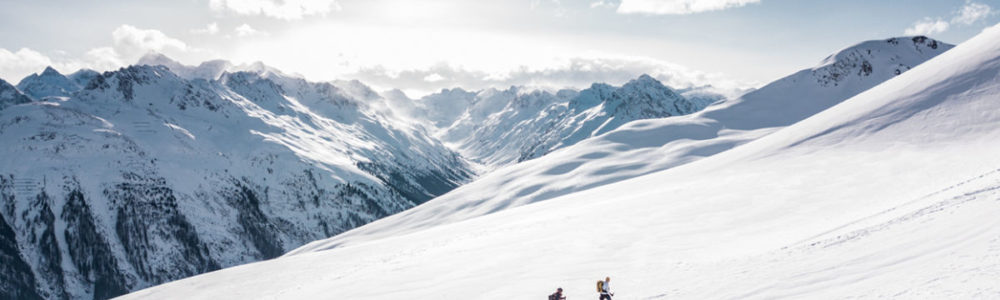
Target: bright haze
(423, 46)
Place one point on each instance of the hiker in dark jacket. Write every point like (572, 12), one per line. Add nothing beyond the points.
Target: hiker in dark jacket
(558, 295)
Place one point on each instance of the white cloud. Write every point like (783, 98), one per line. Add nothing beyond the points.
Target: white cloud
(132, 42)
(602, 4)
(678, 7)
(17, 65)
(972, 12)
(211, 29)
(245, 30)
(928, 27)
(434, 77)
(128, 44)
(103, 58)
(579, 72)
(285, 10)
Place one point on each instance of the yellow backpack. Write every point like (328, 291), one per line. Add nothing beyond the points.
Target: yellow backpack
(600, 286)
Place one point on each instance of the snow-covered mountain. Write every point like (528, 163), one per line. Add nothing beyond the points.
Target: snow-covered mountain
(647, 146)
(50, 83)
(502, 127)
(142, 176)
(891, 193)
(208, 70)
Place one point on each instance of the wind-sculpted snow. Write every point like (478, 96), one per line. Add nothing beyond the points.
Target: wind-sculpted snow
(892, 193)
(141, 176)
(646, 146)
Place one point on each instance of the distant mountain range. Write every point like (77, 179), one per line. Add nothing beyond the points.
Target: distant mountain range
(648, 146)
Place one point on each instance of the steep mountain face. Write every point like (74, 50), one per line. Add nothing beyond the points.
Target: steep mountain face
(499, 128)
(83, 77)
(893, 193)
(10, 95)
(143, 176)
(646, 146)
(16, 279)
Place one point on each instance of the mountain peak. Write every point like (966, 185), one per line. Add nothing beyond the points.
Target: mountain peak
(153, 58)
(49, 71)
(883, 59)
(48, 83)
(646, 78)
(919, 40)
(643, 80)
(897, 46)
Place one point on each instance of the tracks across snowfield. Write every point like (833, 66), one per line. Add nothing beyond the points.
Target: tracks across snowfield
(945, 245)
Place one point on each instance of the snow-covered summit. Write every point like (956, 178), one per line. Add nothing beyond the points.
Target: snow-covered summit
(640, 98)
(208, 70)
(838, 77)
(49, 83)
(861, 59)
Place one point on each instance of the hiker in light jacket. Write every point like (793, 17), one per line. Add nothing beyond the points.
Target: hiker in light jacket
(606, 289)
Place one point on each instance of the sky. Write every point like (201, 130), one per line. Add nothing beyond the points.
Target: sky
(423, 46)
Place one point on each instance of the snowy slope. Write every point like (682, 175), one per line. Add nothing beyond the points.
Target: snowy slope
(892, 193)
(502, 127)
(646, 146)
(144, 177)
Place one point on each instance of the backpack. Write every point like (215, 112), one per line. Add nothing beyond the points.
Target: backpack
(600, 286)
(554, 296)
